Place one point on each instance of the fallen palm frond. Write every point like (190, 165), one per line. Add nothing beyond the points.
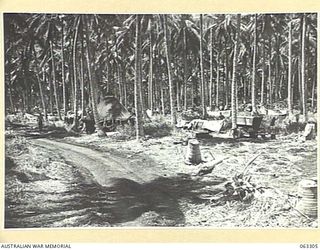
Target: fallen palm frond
(244, 171)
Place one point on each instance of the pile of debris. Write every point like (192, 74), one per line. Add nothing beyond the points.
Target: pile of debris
(239, 187)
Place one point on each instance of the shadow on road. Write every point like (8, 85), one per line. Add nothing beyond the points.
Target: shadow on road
(124, 203)
(161, 195)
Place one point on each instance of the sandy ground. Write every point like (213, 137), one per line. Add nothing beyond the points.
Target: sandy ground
(93, 181)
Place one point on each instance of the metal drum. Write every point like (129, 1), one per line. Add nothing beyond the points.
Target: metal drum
(308, 204)
(193, 154)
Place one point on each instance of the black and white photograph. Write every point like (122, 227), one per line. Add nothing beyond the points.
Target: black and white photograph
(160, 120)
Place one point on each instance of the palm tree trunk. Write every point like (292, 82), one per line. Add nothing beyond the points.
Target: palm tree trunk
(178, 94)
(226, 88)
(277, 71)
(299, 83)
(203, 96)
(171, 90)
(137, 81)
(43, 103)
(218, 80)
(44, 80)
(82, 74)
(282, 78)
(270, 75)
(92, 80)
(119, 83)
(254, 67)
(24, 101)
(55, 88)
(64, 89)
(71, 90)
(303, 78)
(308, 64)
(211, 70)
(193, 89)
(9, 86)
(162, 97)
(313, 93)
(150, 89)
(124, 87)
(75, 120)
(185, 71)
(263, 71)
(156, 84)
(141, 90)
(51, 90)
(234, 75)
(290, 68)
(12, 107)
(108, 69)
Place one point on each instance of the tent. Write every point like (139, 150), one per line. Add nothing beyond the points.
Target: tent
(110, 109)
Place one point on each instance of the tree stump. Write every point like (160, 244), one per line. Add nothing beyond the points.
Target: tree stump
(193, 154)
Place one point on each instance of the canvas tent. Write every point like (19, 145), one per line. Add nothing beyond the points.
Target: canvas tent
(110, 109)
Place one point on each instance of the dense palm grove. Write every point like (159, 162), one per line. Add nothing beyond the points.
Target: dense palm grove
(165, 63)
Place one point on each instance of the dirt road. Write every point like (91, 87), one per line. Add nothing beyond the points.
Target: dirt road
(104, 167)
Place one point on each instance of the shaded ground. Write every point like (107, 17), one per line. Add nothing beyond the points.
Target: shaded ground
(51, 183)
(94, 193)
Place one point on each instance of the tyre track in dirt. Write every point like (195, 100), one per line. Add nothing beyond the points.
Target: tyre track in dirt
(104, 167)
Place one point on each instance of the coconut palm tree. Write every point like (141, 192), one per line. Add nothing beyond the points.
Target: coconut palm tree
(137, 80)
(150, 83)
(64, 88)
(92, 79)
(75, 78)
(187, 40)
(211, 69)
(203, 100)
(303, 61)
(41, 92)
(46, 26)
(53, 67)
(290, 67)
(254, 67)
(234, 76)
(168, 57)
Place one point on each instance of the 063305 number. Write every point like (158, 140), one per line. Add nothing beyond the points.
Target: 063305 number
(309, 246)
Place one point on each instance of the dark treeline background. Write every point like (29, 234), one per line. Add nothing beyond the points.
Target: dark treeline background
(165, 63)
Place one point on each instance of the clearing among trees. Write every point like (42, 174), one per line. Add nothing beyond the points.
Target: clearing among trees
(161, 120)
